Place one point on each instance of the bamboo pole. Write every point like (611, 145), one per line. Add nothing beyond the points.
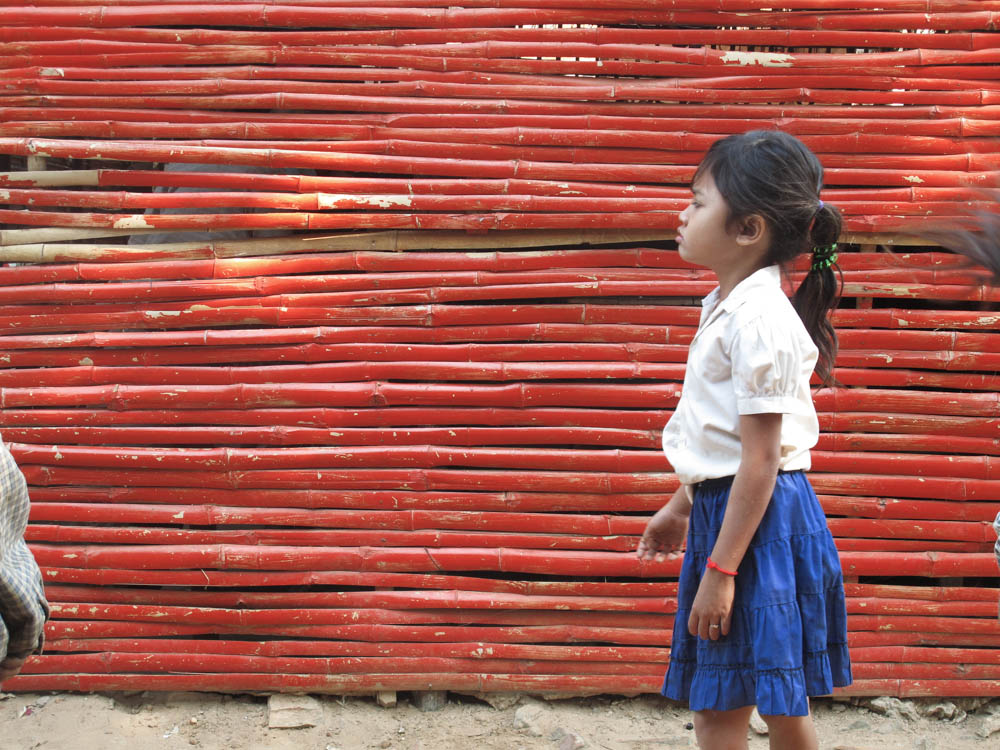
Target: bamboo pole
(426, 456)
(976, 531)
(934, 170)
(809, 37)
(707, 14)
(311, 202)
(449, 582)
(416, 602)
(834, 74)
(273, 557)
(403, 650)
(465, 274)
(374, 241)
(598, 131)
(433, 538)
(346, 684)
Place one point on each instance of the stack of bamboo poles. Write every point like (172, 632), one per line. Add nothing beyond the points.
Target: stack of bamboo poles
(407, 440)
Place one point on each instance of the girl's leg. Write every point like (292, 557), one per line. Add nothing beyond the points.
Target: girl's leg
(791, 732)
(722, 730)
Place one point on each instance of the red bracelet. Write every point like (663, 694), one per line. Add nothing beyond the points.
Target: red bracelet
(712, 564)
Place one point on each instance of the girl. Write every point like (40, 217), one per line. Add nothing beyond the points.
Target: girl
(761, 617)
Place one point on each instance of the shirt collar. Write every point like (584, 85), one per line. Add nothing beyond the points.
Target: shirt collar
(767, 279)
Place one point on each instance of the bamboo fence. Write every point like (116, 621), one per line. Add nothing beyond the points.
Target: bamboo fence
(337, 335)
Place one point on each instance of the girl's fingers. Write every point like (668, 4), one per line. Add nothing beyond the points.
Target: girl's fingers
(708, 628)
(646, 550)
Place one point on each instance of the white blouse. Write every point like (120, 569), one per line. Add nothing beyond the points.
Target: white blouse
(750, 355)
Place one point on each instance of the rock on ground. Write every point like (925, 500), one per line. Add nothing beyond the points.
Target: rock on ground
(293, 711)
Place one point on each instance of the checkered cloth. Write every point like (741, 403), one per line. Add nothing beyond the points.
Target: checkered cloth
(996, 547)
(996, 528)
(23, 609)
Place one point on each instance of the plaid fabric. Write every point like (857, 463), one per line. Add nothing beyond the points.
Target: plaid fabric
(996, 528)
(23, 609)
(996, 548)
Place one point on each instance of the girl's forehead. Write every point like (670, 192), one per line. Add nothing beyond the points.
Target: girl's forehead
(703, 183)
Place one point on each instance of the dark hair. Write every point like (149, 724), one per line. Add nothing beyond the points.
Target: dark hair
(980, 243)
(775, 175)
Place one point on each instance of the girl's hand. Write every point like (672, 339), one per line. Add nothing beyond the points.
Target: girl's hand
(664, 534)
(712, 610)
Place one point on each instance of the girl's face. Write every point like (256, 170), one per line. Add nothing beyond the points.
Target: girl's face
(703, 238)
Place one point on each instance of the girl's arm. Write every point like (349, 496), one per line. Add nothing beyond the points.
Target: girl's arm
(760, 437)
(665, 532)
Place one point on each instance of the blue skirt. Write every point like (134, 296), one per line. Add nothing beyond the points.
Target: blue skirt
(788, 637)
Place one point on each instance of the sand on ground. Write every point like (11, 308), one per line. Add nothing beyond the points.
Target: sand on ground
(210, 721)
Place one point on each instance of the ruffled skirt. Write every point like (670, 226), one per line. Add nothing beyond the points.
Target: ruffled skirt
(788, 637)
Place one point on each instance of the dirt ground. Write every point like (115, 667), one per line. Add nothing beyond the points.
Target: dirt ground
(150, 721)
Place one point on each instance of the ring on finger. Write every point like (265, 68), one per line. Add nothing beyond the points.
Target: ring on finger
(713, 627)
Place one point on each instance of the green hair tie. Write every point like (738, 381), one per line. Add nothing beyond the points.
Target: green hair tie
(824, 257)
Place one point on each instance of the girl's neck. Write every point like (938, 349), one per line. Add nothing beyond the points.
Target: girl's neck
(730, 276)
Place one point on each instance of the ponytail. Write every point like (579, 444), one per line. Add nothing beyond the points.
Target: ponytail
(980, 245)
(819, 292)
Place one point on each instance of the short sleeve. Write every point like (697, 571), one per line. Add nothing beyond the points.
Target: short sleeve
(767, 362)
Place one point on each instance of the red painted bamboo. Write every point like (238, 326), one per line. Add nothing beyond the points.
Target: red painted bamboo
(72, 534)
(347, 16)
(217, 663)
(408, 601)
(121, 129)
(98, 664)
(523, 370)
(286, 435)
(450, 582)
(976, 531)
(345, 418)
(363, 684)
(211, 312)
(342, 347)
(282, 435)
(828, 79)
(812, 37)
(525, 561)
(262, 459)
(683, 280)
(428, 538)
(212, 515)
(935, 174)
(957, 444)
(401, 600)
(378, 633)
(481, 650)
(21, 38)
(520, 395)
(885, 654)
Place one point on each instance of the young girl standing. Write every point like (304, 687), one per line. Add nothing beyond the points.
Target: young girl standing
(761, 617)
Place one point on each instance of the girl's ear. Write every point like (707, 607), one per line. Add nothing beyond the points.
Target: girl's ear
(751, 230)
